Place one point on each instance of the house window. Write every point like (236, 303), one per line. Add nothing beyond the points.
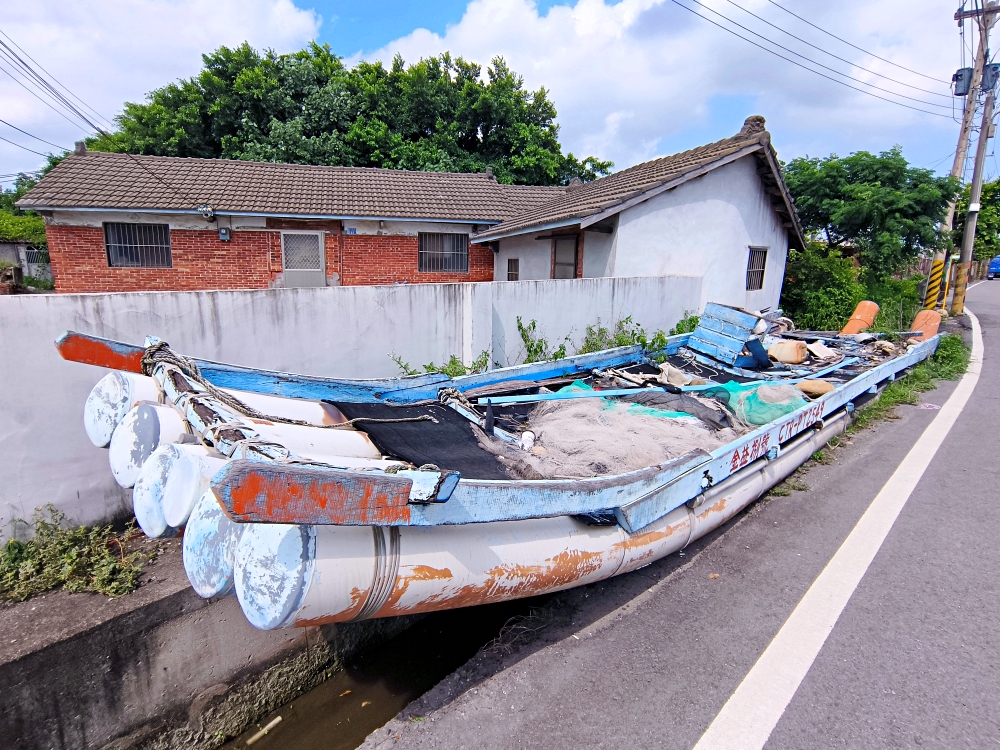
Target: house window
(755, 268)
(138, 245)
(564, 258)
(513, 269)
(443, 252)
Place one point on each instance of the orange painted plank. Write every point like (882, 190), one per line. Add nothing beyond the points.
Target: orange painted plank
(91, 350)
(253, 491)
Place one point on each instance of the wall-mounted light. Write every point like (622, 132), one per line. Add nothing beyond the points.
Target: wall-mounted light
(225, 234)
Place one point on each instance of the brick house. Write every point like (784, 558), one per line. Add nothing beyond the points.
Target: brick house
(117, 222)
(121, 223)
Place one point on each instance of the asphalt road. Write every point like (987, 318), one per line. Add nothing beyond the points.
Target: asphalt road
(649, 659)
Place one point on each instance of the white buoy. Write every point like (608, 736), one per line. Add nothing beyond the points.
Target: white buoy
(144, 429)
(316, 441)
(147, 495)
(175, 476)
(111, 399)
(209, 547)
(306, 410)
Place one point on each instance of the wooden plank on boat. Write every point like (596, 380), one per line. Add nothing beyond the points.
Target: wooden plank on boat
(719, 325)
(717, 345)
(260, 492)
(739, 318)
(93, 350)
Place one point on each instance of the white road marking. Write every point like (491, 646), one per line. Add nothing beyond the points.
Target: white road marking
(753, 710)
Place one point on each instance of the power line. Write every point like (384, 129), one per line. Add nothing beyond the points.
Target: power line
(860, 49)
(94, 111)
(24, 147)
(47, 104)
(837, 57)
(61, 148)
(793, 62)
(814, 62)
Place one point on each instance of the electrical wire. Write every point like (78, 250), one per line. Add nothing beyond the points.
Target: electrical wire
(814, 62)
(837, 57)
(849, 44)
(24, 147)
(47, 104)
(793, 62)
(94, 111)
(49, 143)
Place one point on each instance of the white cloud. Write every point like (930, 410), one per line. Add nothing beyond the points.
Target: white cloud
(644, 77)
(111, 51)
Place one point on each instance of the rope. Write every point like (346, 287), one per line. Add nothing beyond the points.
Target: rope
(160, 353)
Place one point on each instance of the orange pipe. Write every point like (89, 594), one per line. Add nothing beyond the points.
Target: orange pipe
(863, 317)
(928, 322)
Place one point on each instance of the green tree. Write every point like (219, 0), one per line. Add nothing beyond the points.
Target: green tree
(438, 114)
(16, 224)
(878, 205)
(987, 242)
(821, 287)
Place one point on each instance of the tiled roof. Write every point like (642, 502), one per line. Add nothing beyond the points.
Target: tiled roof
(121, 181)
(612, 193)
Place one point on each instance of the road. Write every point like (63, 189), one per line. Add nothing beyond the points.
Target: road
(649, 660)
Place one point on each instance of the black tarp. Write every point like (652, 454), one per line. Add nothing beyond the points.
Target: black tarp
(449, 443)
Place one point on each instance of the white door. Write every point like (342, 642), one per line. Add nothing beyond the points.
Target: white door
(302, 259)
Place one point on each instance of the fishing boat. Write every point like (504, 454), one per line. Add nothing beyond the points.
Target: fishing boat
(320, 500)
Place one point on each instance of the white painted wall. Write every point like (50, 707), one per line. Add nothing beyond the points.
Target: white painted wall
(597, 249)
(535, 256)
(704, 228)
(332, 331)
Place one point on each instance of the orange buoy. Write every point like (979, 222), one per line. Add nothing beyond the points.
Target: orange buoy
(863, 317)
(926, 321)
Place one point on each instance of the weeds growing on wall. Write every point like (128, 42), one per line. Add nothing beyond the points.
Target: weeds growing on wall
(626, 332)
(536, 349)
(949, 361)
(687, 324)
(74, 559)
(452, 368)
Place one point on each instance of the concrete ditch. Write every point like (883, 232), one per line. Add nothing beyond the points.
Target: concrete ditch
(159, 668)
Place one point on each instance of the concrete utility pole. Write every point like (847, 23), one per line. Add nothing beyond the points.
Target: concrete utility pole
(987, 18)
(936, 282)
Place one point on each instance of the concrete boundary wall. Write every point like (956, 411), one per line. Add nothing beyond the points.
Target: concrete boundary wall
(333, 331)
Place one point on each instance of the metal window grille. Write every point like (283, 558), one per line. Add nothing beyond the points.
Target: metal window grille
(755, 268)
(443, 252)
(138, 245)
(513, 269)
(35, 255)
(564, 265)
(301, 252)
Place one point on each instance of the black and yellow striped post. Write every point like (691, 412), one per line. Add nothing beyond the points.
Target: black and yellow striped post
(934, 281)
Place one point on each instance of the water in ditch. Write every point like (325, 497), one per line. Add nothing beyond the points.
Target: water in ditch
(377, 685)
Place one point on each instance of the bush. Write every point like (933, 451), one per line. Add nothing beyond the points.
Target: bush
(75, 559)
(821, 288)
(687, 324)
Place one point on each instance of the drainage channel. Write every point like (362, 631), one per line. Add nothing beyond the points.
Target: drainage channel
(339, 713)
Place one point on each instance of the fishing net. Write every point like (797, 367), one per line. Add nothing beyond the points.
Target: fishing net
(759, 403)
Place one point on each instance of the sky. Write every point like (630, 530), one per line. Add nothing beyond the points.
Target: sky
(631, 80)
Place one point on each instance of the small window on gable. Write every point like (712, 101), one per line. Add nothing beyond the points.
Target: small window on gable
(443, 252)
(513, 269)
(755, 268)
(137, 245)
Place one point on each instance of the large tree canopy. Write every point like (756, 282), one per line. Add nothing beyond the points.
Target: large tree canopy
(308, 108)
(879, 206)
(987, 242)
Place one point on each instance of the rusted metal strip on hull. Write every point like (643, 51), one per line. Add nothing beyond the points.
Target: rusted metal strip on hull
(253, 491)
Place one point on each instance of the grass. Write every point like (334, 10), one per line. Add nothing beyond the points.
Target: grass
(74, 559)
(37, 283)
(949, 361)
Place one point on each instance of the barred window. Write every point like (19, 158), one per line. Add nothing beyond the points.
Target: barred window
(138, 245)
(513, 269)
(755, 268)
(443, 252)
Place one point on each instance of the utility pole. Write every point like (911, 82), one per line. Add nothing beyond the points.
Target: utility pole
(986, 18)
(936, 280)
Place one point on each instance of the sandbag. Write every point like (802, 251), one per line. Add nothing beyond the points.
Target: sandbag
(789, 352)
(815, 388)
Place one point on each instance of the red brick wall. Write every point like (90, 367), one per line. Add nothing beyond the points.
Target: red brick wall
(200, 261)
(250, 260)
(374, 259)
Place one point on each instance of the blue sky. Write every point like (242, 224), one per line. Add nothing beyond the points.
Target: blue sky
(631, 79)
